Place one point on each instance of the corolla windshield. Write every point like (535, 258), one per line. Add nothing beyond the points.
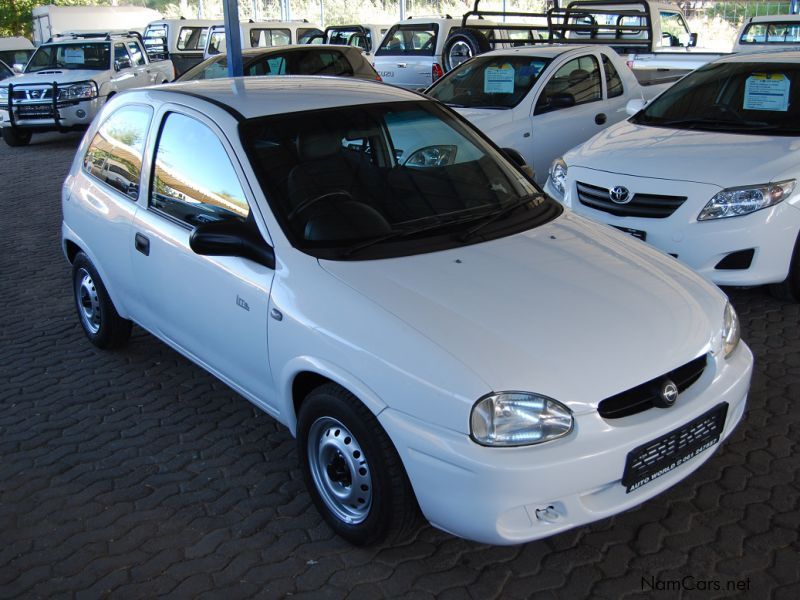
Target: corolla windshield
(735, 97)
(489, 82)
(390, 179)
(95, 56)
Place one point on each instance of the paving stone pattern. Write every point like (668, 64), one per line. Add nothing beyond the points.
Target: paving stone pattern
(135, 474)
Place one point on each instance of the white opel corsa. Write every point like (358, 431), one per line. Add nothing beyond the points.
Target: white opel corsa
(371, 271)
(707, 172)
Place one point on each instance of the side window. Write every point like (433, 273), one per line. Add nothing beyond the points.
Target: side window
(327, 62)
(273, 64)
(136, 53)
(613, 80)
(577, 82)
(121, 56)
(115, 153)
(193, 178)
(192, 38)
(280, 37)
(674, 31)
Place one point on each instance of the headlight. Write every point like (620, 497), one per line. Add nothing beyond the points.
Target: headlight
(518, 419)
(734, 202)
(558, 175)
(77, 91)
(731, 334)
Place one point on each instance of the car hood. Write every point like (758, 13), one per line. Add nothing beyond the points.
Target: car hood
(573, 310)
(722, 159)
(486, 115)
(60, 75)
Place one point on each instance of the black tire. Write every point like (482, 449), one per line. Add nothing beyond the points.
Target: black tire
(14, 136)
(789, 288)
(99, 319)
(334, 425)
(462, 44)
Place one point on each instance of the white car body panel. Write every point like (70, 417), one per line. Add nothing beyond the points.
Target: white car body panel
(418, 339)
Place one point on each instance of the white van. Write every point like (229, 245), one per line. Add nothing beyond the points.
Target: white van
(50, 21)
(263, 34)
(180, 40)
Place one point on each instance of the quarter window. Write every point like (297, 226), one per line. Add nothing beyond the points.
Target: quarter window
(192, 38)
(115, 153)
(613, 80)
(121, 56)
(194, 180)
(136, 53)
(577, 82)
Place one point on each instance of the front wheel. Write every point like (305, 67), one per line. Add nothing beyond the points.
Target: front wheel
(99, 319)
(789, 288)
(352, 470)
(14, 136)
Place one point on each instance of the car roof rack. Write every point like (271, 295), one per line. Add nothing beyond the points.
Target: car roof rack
(93, 35)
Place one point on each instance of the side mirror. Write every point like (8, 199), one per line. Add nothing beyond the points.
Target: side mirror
(692, 40)
(122, 63)
(18, 68)
(635, 105)
(231, 238)
(517, 158)
(563, 100)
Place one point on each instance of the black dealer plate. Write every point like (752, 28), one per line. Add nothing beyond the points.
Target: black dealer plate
(650, 461)
(637, 233)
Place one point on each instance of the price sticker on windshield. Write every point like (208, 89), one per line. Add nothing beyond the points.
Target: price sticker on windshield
(499, 80)
(73, 56)
(767, 91)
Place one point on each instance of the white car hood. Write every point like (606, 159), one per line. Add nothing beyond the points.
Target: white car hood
(572, 309)
(486, 116)
(59, 75)
(723, 159)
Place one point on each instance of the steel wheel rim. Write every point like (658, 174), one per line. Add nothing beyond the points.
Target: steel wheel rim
(460, 52)
(88, 301)
(340, 470)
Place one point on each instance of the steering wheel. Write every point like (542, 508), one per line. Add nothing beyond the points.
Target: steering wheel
(312, 201)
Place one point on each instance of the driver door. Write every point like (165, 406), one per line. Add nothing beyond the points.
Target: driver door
(213, 308)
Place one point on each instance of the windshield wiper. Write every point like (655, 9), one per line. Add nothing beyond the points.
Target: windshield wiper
(401, 233)
(711, 121)
(498, 214)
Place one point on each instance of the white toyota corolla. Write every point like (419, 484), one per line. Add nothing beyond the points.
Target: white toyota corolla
(707, 172)
(371, 271)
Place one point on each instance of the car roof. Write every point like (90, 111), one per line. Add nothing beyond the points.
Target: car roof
(774, 19)
(542, 50)
(768, 56)
(262, 96)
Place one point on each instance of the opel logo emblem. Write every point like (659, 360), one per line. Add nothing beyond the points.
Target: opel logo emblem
(619, 195)
(667, 395)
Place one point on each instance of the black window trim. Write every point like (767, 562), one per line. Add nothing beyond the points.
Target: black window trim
(606, 59)
(144, 151)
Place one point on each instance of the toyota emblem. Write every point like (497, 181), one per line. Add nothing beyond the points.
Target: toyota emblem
(619, 195)
(667, 395)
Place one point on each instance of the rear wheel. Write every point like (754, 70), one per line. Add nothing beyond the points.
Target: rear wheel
(99, 319)
(14, 136)
(352, 470)
(461, 45)
(789, 288)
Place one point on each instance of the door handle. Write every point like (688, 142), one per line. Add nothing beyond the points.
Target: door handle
(600, 118)
(142, 244)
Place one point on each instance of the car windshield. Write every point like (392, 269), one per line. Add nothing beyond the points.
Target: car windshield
(489, 81)
(389, 179)
(95, 56)
(734, 97)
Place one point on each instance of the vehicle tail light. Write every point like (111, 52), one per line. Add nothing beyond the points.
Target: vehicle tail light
(436, 71)
(378, 77)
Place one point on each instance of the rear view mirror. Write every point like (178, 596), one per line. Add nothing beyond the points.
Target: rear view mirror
(231, 238)
(563, 100)
(518, 160)
(18, 68)
(692, 40)
(635, 105)
(122, 63)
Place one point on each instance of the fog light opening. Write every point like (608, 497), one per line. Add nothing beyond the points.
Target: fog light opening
(81, 113)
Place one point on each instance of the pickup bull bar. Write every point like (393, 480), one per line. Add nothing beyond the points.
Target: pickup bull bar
(53, 102)
(580, 17)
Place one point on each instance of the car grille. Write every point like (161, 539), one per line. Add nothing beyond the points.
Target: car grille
(26, 95)
(676, 446)
(653, 206)
(640, 398)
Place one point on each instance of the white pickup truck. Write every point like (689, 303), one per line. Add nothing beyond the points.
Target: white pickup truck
(540, 101)
(67, 81)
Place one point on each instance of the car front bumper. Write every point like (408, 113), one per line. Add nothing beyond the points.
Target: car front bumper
(515, 495)
(72, 113)
(770, 233)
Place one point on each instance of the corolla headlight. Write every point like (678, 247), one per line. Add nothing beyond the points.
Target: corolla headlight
(734, 202)
(558, 175)
(78, 91)
(731, 333)
(518, 419)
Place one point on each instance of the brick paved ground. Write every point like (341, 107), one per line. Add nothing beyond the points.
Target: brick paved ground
(135, 473)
